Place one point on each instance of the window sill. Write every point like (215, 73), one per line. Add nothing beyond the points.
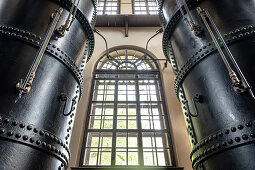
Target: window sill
(127, 168)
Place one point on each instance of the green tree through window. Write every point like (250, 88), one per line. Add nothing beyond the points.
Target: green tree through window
(127, 121)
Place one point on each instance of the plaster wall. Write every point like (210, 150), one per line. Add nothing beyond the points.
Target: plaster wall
(126, 7)
(137, 37)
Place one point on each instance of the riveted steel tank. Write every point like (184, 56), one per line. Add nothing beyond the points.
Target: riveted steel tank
(35, 131)
(220, 122)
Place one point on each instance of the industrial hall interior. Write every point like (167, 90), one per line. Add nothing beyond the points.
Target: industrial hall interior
(127, 84)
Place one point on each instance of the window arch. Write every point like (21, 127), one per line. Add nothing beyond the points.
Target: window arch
(127, 123)
(127, 59)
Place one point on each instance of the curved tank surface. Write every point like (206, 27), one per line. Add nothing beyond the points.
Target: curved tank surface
(45, 45)
(211, 46)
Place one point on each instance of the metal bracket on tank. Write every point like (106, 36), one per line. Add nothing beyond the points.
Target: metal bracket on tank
(24, 86)
(65, 27)
(196, 99)
(197, 29)
(63, 98)
(239, 86)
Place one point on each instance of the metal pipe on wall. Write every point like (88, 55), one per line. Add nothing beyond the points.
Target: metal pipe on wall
(35, 130)
(213, 78)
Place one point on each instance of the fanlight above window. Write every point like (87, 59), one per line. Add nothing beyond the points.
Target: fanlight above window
(127, 59)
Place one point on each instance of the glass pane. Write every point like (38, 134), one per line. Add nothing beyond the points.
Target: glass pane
(162, 140)
(147, 122)
(106, 140)
(132, 124)
(122, 111)
(121, 124)
(92, 139)
(102, 109)
(131, 97)
(132, 158)
(149, 158)
(132, 140)
(90, 157)
(161, 159)
(95, 122)
(101, 122)
(108, 111)
(132, 111)
(148, 140)
(104, 90)
(121, 140)
(122, 97)
(105, 158)
(159, 142)
(107, 122)
(121, 158)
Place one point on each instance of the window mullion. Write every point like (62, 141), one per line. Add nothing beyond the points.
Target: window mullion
(114, 137)
(105, 1)
(153, 125)
(118, 6)
(139, 124)
(147, 7)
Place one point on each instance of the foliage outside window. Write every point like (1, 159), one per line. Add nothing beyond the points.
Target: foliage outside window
(127, 123)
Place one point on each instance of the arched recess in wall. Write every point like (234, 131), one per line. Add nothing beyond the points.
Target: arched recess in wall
(127, 122)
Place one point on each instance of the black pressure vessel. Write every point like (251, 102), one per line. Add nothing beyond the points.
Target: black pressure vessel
(220, 122)
(35, 132)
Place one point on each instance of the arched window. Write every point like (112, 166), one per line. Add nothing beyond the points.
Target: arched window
(127, 123)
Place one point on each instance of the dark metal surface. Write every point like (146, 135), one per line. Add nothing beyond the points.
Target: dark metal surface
(35, 132)
(220, 122)
(133, 21)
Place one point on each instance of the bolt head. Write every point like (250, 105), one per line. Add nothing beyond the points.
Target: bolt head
(2, 130)
(25, 137)
(18, 135)
(15, 123)
(249, 124)
(41, 132)
(43, 144)
(29, 127)
(226, 131)
(6, 120)
(240, 127)
(35, 130)
(237, 139)
(38, 142)
(31, 140)
(10, 133)
(233, 129)
(245, 137)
